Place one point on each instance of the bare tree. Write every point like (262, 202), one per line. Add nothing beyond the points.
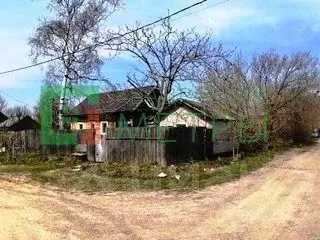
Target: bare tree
(282, 80)
(3, 104)
(270, 85)
(18, 111)
(72, 35)
(229, 88)
(168, 56)
(302, 117)
(36, 111)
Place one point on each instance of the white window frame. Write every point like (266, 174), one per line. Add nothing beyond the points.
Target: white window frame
(101, 127)
(78, 125)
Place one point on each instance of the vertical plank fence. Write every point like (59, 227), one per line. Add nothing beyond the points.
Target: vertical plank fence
(136, 144)
(170, 146)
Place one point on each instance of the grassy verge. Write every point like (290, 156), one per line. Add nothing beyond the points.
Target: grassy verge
(67, 173)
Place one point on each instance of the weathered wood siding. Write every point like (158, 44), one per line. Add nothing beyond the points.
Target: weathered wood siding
(164, 146)
(140, 145)
(26, 140)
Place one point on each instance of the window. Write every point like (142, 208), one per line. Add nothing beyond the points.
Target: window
(104, 126)
(130, 123)
(80, 126)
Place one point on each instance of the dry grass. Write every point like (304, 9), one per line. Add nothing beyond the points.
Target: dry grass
(62, 171)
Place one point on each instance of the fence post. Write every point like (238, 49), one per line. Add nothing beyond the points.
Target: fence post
(13, 153)
(91, 153)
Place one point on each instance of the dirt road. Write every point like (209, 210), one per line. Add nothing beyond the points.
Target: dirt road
(280, 201)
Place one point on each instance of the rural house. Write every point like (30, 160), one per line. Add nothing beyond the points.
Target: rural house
(105, 111)
(21, 132)
(188, 113)
(16, 124)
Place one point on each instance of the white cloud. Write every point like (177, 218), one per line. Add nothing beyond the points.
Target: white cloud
(14, 54)
(225, 16)
(221, 19)
(17, 23)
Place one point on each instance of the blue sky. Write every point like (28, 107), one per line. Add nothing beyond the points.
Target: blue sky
(251, 26)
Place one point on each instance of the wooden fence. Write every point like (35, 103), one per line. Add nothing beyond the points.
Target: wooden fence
(170, 146)
(82, 137)
(30, 141)
(23, 140)
(139, 145)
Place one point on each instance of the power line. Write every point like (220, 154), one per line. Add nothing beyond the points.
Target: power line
(30, 66)
(202, 9)
(111, 39)
(13, 98)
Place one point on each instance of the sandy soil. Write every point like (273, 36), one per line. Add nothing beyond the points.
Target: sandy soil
(280, 201)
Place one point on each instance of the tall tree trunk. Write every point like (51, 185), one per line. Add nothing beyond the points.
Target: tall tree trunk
(62, 101)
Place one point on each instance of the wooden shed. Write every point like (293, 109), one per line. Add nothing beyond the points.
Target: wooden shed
(19, 124)
(20, 133)
(3, 117)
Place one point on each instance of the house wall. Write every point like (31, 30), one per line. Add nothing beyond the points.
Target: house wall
(181, 116)
(222, 129)
(112, 121)
(184, 117)
(88, 125)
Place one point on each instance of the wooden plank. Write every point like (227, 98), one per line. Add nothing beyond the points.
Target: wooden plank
(79, 154)
(141, 149)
